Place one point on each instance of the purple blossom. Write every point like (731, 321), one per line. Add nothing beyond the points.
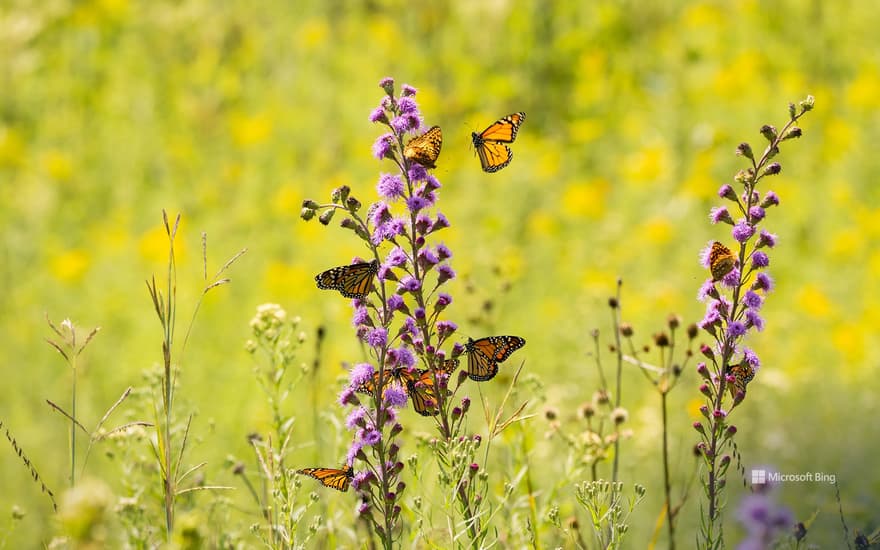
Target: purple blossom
(347, 397)
(378, 115)
(360, 479)
(407, 90)
(356, 418)
(446, 328)
(409, 284)
(742, 231)
(400, 124)
(377, 337)
(387, 83)
(759, 260)
(423, 224)
(409, 326)
(766, 239)
(402, 357)
(756, 213)
(443, 300)
(395, 396)
(360, 373)
(720, 214)
(444, 273)
(361, 316)
(764, 521)
(353, 450)
(431, 184)
(417, 172)
(390, 187)
(457, 349)
(417, 203)
(371, 437)
(752, 359)
(379, 213)
(427, 258)
(407, 105)
(706, 291)
(704, 254)
(382, 146)
(763, 282)
(753, 300)
(711, 318)
(770, 199)
(441, 222)
(726, 192)
(731, 279)
(395, 303)
(753, 319)
(419, 313)
(397, 257)
(736, 329)
(384, 273)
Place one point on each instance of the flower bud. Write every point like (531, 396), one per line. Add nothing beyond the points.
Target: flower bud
(306, 214)
(772, 169)
(626, 330)
(793, 132)
(352, 204)
(745, 150)
(769, 132)
(807, 104)
(326, 216)
(340, 194)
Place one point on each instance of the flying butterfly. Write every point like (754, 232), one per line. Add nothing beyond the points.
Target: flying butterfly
(352, 281)
(485, 354)
(423, 391)
(742, 374)
(425, 148)
(721, 261)
(331, 477)
(490, 143)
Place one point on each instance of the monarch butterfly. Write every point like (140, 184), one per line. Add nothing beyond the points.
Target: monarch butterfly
(721, 261)
(425, 148)
(494, 155)
(742, 374)
(400, 375)
(331, 477)
(485, 354)
(422, 390)
(353, 281)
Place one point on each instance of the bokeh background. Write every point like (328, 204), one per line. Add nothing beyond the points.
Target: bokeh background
(232, 113)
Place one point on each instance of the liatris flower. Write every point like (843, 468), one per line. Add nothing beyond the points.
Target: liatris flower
(735, 293)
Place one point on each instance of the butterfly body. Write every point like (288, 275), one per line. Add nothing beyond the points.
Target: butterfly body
(721, 261)
(490, 143)
(485, 354)
(742, 374)
(425, 149)
(331, 477)
(400, 376)
(352, 281)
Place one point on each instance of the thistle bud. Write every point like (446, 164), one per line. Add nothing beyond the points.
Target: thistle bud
(807, 104)
(326, 216)
(745, 150)
(769, 132)
(793, 132)
(340, 194)
(306, 214)
(352, 204)
(772, 169)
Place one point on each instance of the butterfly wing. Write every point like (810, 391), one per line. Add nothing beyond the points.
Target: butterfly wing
(423, 390)
(485, 354)
(489, 143)
(352, 281)
(398, 375)
(331, 477)
(742, 374)
(721, 261)
(425, 148)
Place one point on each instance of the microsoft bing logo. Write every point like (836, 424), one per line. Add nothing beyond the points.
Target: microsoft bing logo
(759, 477)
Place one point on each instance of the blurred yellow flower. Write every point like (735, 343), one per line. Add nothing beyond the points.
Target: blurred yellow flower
(384, 31)
(285, 280)
(849, 340)
(813, 301)
(153, 246)
(313, 33)
(585, 198)
(839, 137)
(12, 147)
(700, 183)
(693, 408)
(864, 90)
(647, 165)
(585, 130)
(740, 74)
(656, 230)
(70, 266)
(251, 130)
(542, 224)
(58, 165)
(846, 243)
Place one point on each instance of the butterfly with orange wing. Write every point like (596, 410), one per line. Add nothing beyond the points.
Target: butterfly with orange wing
(721, 261)
(743, 373)
(485, 354)
(400, 376)
(331, 477)
(423, 390)
(425, 149)
(490, 143)
(352, 281)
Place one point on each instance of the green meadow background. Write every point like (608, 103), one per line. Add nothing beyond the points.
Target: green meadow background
(231, 113)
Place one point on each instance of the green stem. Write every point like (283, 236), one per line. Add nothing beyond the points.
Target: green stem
(73, 425)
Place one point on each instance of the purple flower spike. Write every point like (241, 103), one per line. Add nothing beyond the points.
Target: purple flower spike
(753, 300)
(742, 231)
(356, 418)
(731, 280)
(707, 291)
(441, 222)
(417, 203)
(407, 106)
(417, 172)
(727, 192)
(446, 328)
(397, 257)
(378, 115)
(720, 214)
(763, 282)
(756, 213)
(753, 319)
(407, 90)
(752, 359)
(371, 437)
(409, 284)
(445, 273)
(377, 337)
(770, 199)
(443, 300)
(766, 239)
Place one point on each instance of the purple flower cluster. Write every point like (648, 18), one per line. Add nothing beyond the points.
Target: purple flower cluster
(764, 520)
